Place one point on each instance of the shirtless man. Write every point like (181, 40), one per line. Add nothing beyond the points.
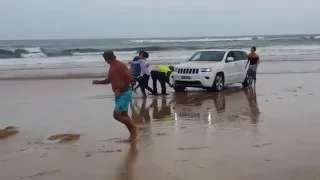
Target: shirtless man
(253, 61)
(120, 79)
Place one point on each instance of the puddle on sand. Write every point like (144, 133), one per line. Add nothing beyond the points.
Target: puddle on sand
(65, 138)
(8, 131)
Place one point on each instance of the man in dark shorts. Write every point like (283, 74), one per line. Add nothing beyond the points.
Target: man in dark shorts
(253, 61)
(120, 79)
(162, 74)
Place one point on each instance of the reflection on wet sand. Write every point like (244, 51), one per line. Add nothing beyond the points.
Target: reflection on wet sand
(231, 105)
(126, 170)
(253, 103)
(143, 115)
(163, 112)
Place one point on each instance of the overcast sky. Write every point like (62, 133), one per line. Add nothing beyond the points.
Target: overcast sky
(60, 19)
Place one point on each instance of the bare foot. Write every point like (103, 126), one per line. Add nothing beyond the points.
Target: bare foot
(133, 133)
(129, 140)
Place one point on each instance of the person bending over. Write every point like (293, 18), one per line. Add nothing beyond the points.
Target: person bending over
(162, 74)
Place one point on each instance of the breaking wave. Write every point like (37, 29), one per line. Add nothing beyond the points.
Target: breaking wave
(132, 46)
(191, 40)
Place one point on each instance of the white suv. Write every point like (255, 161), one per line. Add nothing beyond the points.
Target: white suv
(211, 69)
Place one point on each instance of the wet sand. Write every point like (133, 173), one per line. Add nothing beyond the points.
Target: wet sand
(273, 134)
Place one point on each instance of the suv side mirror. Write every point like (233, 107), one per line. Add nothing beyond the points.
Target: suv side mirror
(229, 59)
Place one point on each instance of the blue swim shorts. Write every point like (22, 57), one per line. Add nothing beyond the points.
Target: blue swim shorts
(123, 101)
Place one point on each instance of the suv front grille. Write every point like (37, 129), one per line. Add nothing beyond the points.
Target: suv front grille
(187, 71)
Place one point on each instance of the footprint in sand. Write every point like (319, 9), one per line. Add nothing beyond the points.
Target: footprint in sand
(8, 131)
(127, 141)
(161, 134)
(261, 145)
(64, 138)
(110, 151)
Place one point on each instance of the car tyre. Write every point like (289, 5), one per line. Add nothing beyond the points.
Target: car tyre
(218, 84)
(179, 88)
(247, 81)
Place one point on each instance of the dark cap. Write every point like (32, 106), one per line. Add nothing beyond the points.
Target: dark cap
(109, 55)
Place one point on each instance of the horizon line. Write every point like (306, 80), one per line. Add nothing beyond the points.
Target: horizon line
(159, 37)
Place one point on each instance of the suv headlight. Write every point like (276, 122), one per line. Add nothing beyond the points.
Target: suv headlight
(206, 69)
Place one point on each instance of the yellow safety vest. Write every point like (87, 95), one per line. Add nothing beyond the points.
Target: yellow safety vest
(164, 69)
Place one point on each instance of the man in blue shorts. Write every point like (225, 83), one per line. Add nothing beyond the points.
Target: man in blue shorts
(120, 79)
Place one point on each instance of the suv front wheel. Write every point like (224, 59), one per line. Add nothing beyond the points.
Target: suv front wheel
(179, 88)
(218, 83)
(248, 80)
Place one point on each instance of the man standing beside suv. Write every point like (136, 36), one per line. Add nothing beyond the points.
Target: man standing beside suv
(253, 61)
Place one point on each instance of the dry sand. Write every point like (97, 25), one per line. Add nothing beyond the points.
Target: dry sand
(195, 135)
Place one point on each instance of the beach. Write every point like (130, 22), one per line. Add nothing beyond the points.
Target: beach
(234, 134)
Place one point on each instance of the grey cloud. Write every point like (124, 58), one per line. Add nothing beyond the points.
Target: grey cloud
(43, 19)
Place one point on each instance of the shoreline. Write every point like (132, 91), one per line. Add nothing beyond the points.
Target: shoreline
(265, 68)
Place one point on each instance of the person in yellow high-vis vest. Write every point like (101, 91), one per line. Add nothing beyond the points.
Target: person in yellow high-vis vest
(162, 74)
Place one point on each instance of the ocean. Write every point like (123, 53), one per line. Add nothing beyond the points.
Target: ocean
(52, 54)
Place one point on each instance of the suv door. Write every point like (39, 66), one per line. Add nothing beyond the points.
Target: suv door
(230, 69)
(241, 60)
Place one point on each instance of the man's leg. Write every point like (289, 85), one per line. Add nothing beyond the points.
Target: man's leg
(142, 87)
(143, 91)
(146, 84)
(154, 81)
(133, 85)
(124, 118)
(121, 113)
(254, 74)
(162, 79)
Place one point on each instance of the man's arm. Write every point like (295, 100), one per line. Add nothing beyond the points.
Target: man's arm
(98, 82)
(247, 64)
(105, 81)
(168, 79)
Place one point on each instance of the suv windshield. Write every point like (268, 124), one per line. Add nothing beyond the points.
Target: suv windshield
(208, 56)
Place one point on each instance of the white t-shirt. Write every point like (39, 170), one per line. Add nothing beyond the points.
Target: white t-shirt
(144, 67)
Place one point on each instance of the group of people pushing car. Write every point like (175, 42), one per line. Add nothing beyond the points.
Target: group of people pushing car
(121, 78)
(141, 72)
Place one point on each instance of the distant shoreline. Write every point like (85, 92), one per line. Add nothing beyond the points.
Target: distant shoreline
(164, 37)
